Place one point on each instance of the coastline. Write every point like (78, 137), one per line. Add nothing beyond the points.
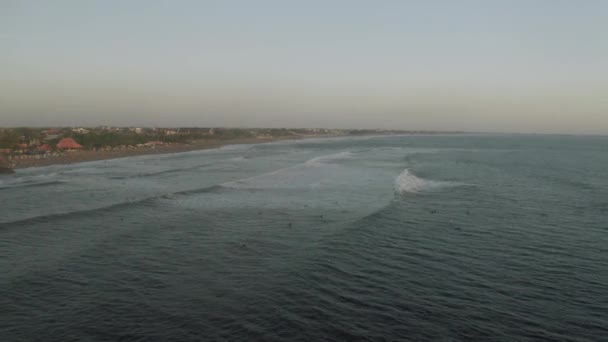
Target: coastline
(72, 157)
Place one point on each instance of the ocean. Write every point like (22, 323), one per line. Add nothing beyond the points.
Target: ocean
(376, 238)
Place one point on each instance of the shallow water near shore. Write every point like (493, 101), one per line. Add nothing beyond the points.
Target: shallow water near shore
(438, 237)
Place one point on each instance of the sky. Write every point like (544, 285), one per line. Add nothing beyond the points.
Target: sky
(484, 66)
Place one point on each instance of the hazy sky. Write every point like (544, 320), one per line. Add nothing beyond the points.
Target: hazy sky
(523, 66)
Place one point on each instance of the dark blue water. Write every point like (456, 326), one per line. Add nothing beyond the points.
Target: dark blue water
(449, 238)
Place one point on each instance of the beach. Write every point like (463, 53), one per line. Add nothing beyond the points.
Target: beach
(77, 156)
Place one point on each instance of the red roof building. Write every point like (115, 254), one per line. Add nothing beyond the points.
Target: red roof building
(68, 144)
(45, 147)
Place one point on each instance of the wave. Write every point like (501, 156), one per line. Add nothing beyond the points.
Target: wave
(32, 185)
(76, 213)
(317, 161)
(243, 182)
(24, 181)
(181, 169)
(262, 180)
(146, 201)
(239, 159)
(408, 182)
(208, 189)
(158, 173)
(235, 147)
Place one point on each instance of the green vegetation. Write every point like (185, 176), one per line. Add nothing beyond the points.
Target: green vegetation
(8, 139)
(96, 140)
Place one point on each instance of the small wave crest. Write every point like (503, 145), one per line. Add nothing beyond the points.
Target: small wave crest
(238, 159)
(29, 181)
(33, 185)
(112, 207)
(290, 175)
(329, 158)
(408, 182)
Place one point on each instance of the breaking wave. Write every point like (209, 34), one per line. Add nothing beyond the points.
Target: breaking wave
(32, 185)
(408, 182)
(179, 170)
(29, 181)
(161, 173)
(130, 203)
(269, 178)
(329, 158)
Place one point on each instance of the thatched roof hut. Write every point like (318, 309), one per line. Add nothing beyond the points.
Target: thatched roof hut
(68, 144)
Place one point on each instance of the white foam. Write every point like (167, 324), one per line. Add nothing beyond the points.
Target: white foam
(235, 147)
(239, 159)
(302, 174)
(250, 182)
(28, 179)
(408, 182)
(318, 161)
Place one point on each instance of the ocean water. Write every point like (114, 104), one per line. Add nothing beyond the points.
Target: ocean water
(393, 238)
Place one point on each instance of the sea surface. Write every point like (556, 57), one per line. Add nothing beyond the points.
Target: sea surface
(389, 238)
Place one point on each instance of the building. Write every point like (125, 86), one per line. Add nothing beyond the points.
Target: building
(50, 131)
(68, 144)
(50, 137)
(80, 130)
(44, 148)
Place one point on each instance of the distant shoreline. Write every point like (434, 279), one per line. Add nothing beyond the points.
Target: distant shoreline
(72, 157)
(58, 157)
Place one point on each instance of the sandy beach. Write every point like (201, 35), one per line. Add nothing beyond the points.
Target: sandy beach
(69, 157)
